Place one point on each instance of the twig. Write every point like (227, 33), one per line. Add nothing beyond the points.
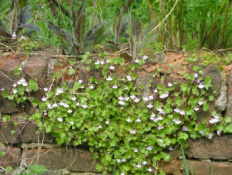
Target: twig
(224, 50)
(165, 17)
(7, 47)
(7, 76)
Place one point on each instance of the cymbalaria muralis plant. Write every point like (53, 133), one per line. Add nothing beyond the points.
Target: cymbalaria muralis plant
(120, 124)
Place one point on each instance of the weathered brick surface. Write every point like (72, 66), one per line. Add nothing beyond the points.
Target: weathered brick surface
(215, 148)
(37, 67)
(176, 167)
(12, 157)
(72, 159)
(25, 132)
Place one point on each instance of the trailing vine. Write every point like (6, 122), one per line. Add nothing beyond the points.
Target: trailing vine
(122, 125)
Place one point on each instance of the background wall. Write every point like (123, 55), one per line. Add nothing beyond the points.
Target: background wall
(25, 146)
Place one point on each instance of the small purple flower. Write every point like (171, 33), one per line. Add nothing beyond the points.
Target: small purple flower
(184, 128)
(202, 133)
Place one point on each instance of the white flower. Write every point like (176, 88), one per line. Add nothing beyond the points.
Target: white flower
(123, 160)
(65, 105)
(109, 79)
(138, 166)
(28, 90)
(44, 99)
(129, 78)
(153, 115)
(150, 106)
(149, 148)
(73, 98)
(145, 57)
(149, 169)
(135, 150)
(91, 87)
(214, 120)
(155, 90)
(107, 122)
(15, 91)
(200, 103)
(115, 87)
(133, 131)
(121, 102)
(72, 122)
(84, 106)
(111, 67)
(77, 104)
(122, 173)
(59, 91)
(121, 98)
(182, 112)
(137, 61)
(97, 62)
(195, 75)
(69, 111)
(80, 81)
(177, 110)
(14, 85)
(160, 109)
(22, 81)
(160, 127)
(14, 35)
(165, 95)
(196, 109)
(136, 100)
(201, 86)
(2, 89)
(138, 120)
(128, 120)
(145, 98)
(144, 162)
(170, 84)
(23, 37)
(102, 62)
(45, 89)
(127, 98)
(50, 106)
(126, 88)
(60, 119)
(219, 132)
(151, 97)
(132, 97)
(176, 121)
(100, 126)
(118, 160)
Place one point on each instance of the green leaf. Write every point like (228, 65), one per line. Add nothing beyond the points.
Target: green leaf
(228, 128)
(99, 167)
(184, 87)
(33, 86)
(227, 119)
(183, 136)
(211, 98)
(5, 94)
(208, 82)
(6, 118)
(71, 71)
(9, 169)
(37, 169)
(2, 153)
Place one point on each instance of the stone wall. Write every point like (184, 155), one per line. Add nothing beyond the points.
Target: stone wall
(25, 146)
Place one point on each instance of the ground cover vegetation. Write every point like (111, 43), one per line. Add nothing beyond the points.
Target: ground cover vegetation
(125, 128)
